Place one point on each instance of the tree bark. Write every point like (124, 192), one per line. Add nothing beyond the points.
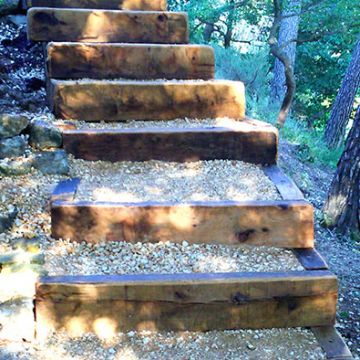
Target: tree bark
(342, 208)
(342, 108)
(288, 31)
(282, 56)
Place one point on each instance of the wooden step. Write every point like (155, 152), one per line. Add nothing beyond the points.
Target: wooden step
(132, 61)
(180, 302)
(96, 100)
(46, 24)
(147, 5)
(247, 140)
(277, 223)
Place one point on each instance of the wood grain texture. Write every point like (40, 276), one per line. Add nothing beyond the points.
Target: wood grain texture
(96, 100)
(286, 224)
(247, 140)
(286, 186)
(332, 343)
(101, 4)
(310, 259)
(81, 25)
(130, 61)
(195, 302)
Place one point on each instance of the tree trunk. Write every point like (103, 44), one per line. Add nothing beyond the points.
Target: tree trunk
(342, 108)
(289, 27)
(229, 25)
(208, 31)
(342, 209)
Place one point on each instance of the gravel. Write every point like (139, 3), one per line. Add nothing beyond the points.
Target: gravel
(177, 123)
(66, 258)
(169, 181)
(294, 344)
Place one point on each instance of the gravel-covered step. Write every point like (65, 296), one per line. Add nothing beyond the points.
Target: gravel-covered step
(201, 202)
(118, 258)
(112, 26)
(265, 344)
(132, 61)
(217, 180)
(247, 140)
(101, 4)
(185, 302)
(116, 100)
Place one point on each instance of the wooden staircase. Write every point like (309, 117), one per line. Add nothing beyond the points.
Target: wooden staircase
(129, 60)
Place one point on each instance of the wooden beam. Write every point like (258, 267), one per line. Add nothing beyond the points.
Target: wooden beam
(81, 25)
(310, 259)
(178, 302)
(332, 343)
(65, 190)
(286, 186)
(130, 61)
(249, 141)
(96, 100)
(101, 4)
(286, 224)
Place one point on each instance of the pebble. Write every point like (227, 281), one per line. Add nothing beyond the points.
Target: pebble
(215, 180)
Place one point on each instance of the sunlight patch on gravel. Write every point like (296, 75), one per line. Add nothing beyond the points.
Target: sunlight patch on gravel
(169, 181)
(279, 344)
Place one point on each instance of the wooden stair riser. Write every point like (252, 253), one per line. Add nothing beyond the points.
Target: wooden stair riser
(131, 61)
(46, 24)
(180, 145)
(287, 224)
(179, 302)
(95, 100)
(147, 5)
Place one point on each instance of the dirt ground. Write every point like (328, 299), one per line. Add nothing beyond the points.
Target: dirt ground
(341, 253)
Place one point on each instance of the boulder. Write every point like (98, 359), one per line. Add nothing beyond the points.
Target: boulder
(19, 166)
(44, 135)
(52, 162)
(8, 6)
(7, 220)
(12, 125)
(12, 147)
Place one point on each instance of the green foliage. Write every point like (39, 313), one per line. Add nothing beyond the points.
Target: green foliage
(327, 34)
(311, 146)
(250, 68)
(322, 63)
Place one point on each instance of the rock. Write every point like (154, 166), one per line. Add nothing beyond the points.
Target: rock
(34, 84)
(12, 147)
(6, 64)
(52, 162)
(43, 135)
(17, 20)
(7, 220)
(15, 167)
(8, 6)
(12, 125)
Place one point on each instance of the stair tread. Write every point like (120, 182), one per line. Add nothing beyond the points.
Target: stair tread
(112, 100)
(218, 180)
(191, 301)
(182, 140)
(84, 25)
(121, 60)
(101, 4)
